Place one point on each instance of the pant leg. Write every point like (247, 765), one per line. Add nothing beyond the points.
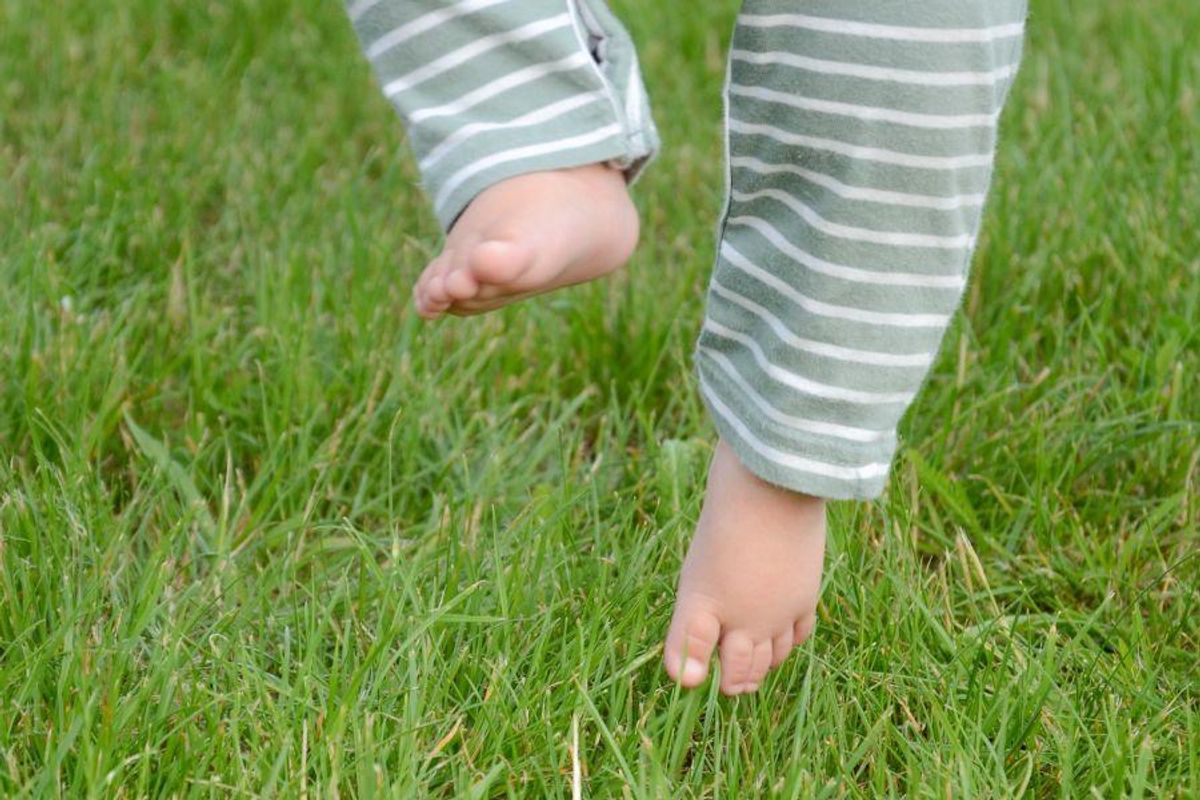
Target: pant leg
(861, 136)
(490, 89)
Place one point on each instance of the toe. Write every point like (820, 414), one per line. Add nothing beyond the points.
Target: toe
(435, 292)
(430, 304)
(804, 628)
(737, 656)
(499, 262)
(690, 643)
(461, 285)
(426, 308)
(418, 291)
(781, 645)
(760, 662)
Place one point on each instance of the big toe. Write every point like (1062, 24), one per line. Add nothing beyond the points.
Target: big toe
(690, 643)
(499, 262)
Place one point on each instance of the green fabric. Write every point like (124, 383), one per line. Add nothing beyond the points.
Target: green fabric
(860, 138)
(490, 89)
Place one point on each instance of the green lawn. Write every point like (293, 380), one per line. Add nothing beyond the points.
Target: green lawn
(263, 532)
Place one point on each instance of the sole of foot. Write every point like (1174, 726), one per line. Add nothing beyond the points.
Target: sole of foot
(749, 585)
(529, 235)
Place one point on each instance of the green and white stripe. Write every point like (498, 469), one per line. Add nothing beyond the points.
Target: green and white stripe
(860, 138)
(496, 88)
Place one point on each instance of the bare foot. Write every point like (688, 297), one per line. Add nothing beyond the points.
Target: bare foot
(528, 235)
(750, 581)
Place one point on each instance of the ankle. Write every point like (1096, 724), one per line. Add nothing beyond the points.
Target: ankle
(729, 457)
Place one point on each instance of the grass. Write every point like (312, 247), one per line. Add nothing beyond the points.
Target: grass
(264, 533)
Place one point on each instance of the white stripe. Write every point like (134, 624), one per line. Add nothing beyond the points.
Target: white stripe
(361, 7)
(424, 23)
(790, 460)
(891, 238)
(799, 382)
(473, 50)
(727, 138)
(870, 113)
(875, 278)
(519, 153)
(512, 80)
(861, 192)
(633, 106)
(874, 31)
(863, 153)
(874, 73)
(536, 117)
(633, 95)
(821, 348)
(825, 309)
(791, 423)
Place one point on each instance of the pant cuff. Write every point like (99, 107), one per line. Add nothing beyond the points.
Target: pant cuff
(489, 91)
(821, 465)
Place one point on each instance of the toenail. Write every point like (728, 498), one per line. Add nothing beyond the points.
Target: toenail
(693, 670)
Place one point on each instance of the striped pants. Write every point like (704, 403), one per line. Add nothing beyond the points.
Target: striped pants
(860, 138)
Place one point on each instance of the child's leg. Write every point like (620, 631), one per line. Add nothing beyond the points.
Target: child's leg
(527, 118)
(861, 135)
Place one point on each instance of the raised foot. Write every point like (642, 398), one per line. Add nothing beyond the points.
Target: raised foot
(528, 235)
(750, 581)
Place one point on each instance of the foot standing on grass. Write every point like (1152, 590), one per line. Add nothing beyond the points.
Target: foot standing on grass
(860, 141)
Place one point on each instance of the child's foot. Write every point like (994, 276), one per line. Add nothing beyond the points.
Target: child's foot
(750, 580)
(531, 234)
